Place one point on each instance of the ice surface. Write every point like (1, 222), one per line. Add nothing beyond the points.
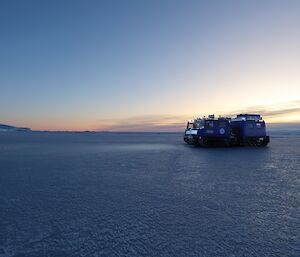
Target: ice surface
(109, 194)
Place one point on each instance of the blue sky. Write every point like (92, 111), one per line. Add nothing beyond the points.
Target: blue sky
(76, 65)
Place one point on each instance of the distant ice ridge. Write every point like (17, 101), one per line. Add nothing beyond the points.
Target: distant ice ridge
(7, 128)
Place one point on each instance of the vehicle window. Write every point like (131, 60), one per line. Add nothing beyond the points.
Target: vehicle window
(190, 125)
(222, 124)
(209, 124)
(196, 125)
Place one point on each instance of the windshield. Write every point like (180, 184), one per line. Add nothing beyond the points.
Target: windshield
(190, 125)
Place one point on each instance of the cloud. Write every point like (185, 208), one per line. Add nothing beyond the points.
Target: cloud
(275, 110)
(176, 123)
(147, 123)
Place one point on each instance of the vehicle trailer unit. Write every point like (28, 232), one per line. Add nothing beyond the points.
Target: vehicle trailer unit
(243, 130)
(250, 130)
(209, 131)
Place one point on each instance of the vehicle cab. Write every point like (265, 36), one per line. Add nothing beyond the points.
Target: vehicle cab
(208, 131)
(191, 131)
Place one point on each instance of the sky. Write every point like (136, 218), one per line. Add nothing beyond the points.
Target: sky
(147, 65)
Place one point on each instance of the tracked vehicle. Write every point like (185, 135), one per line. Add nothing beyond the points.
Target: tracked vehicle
(249, 130)
(209, 131)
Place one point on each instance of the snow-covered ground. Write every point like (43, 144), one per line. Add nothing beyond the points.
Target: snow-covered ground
(108, 194)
